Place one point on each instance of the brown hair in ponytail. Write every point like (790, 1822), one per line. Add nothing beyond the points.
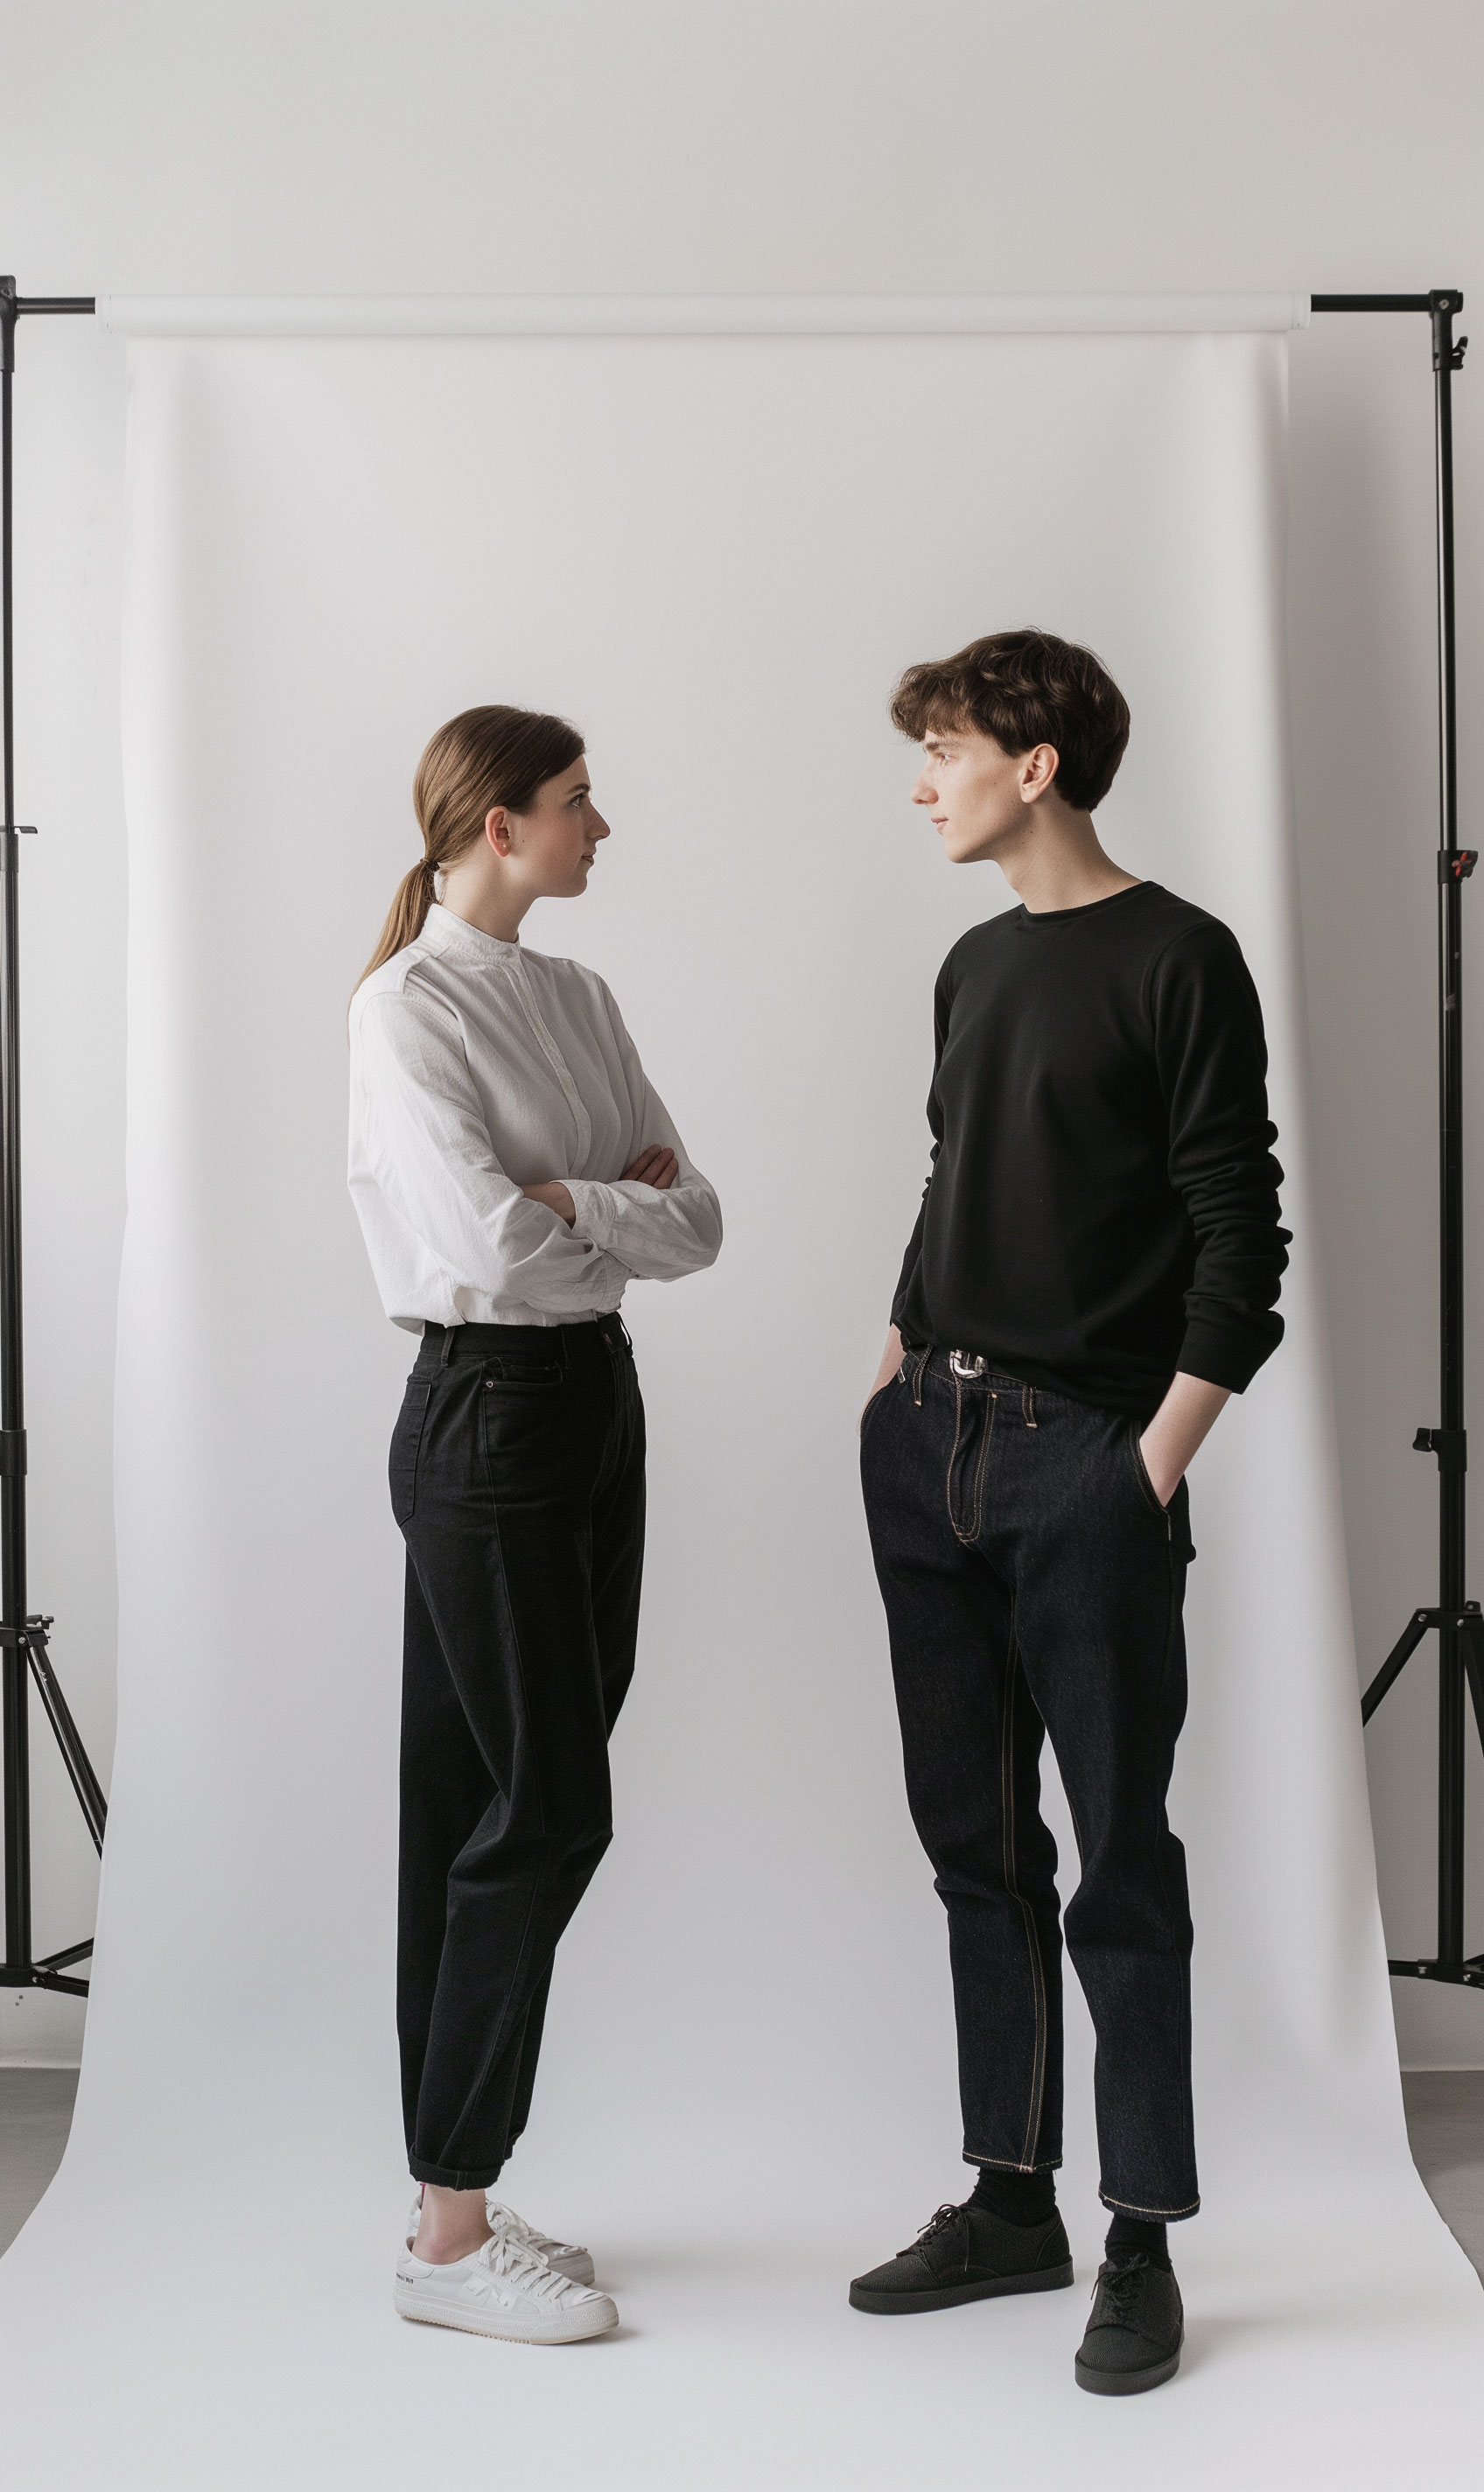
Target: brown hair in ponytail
(480, 758)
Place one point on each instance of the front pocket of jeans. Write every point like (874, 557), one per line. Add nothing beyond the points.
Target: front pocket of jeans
(869, 1411)
(526, 1416)
(406, 1444)
(1141, 1472)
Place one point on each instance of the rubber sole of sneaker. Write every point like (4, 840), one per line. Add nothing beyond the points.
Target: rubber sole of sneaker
(947, 2296)
(1127, 2384)
(575, 2327)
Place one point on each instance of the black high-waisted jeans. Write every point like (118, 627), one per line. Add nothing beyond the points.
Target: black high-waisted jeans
(1034, 1584)
(517, 1478)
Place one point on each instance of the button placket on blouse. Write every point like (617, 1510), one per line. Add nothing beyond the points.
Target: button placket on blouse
(553, 1055)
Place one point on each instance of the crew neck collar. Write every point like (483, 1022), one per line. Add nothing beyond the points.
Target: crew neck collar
(447, 931)
(1088, 908)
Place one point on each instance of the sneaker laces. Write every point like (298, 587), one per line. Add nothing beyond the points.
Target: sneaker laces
(938, 2223)
(1120, 2285)
(504, 2220)
(526, 2269)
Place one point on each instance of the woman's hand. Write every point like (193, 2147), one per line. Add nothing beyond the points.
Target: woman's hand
(654, 1166)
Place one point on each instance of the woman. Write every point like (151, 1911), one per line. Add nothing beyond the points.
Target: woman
(513, 1170)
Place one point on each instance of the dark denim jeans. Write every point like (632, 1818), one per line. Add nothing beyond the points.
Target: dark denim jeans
(517, 1478)
(1034, 1584)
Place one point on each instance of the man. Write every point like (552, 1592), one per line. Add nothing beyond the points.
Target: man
(1093, 1271)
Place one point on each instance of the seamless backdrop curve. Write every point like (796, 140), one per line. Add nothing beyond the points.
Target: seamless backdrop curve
(715, 555)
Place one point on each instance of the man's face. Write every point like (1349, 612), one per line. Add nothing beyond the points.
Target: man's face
(978, 795)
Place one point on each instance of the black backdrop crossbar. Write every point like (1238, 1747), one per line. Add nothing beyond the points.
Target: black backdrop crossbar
(1456, 1621)
(23, 1637)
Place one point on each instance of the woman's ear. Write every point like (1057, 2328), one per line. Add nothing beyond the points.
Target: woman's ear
(497, 830)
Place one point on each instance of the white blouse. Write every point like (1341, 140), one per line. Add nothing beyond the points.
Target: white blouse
(477, 1067)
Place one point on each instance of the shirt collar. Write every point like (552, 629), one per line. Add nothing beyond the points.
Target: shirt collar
(456, 937)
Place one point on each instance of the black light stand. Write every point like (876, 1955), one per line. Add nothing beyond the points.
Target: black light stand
(1459, 1622)
(23, 1635)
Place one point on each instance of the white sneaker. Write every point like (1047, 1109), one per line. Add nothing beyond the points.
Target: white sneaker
(501, 2290)
(569, 2258)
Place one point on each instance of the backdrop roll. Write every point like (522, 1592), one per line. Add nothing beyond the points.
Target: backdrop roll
(715, 555)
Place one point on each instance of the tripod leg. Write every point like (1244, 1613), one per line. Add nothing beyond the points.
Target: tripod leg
(1396, 1661)
(74, 1756)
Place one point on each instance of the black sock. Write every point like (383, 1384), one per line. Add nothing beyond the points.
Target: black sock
(1128, 2233)
(1018, 2197)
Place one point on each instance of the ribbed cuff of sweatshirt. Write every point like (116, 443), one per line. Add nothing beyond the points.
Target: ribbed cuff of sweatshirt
(1229, 1355)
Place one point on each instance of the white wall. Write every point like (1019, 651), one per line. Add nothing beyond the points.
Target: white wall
(1057, 145)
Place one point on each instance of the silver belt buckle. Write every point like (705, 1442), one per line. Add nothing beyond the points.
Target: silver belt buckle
(967, 1367)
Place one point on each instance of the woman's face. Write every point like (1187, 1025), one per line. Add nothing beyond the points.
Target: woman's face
(552, 848)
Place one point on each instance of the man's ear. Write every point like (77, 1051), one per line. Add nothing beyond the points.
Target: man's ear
(1038, 772)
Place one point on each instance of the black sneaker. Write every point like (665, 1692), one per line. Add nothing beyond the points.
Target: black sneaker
(1135, 2331)
(967, 2254)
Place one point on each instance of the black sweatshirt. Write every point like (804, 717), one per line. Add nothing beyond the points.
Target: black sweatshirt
(1103, 1204)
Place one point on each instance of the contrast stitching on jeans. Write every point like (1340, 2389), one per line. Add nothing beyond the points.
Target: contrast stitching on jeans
(967, 1534)
(998, 2162)
(1175, 1948)
(1186, 2107)
(984, 1456)
(1027, 1917)
(1152, 2214)
(953, 1454)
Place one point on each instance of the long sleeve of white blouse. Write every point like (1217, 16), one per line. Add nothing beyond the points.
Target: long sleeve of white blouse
(660, 1236)
(478, 1068)
(431, 1153)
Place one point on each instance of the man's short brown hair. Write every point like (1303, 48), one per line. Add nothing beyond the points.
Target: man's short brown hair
(1026, 688)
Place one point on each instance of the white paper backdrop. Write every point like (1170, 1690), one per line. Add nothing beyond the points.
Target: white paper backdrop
(715, 555)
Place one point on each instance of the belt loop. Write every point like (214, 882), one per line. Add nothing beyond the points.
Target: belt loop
(446, 1352)
(624, 1329)
(1028, 1405)
(921, 1371)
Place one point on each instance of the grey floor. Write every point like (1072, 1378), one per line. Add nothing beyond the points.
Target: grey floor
(36, 2111)
(1444, 2119)
(1445, 2123)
